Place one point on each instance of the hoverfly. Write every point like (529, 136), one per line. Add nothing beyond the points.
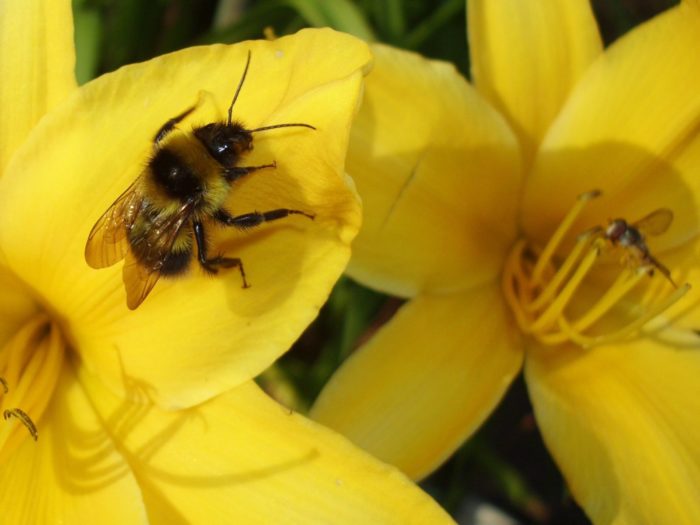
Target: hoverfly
(633, 237)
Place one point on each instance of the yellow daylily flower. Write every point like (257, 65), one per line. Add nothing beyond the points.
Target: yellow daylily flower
(151, 416)
(481, 210)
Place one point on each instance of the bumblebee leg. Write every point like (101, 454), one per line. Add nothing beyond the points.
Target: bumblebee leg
(251, 220)
(236, 172)
(166, 128)
(213, 264)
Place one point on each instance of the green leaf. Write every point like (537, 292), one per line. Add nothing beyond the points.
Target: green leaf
(395, 19)
(342, 15)
(433, 23)
(252, 22)
(88, 37)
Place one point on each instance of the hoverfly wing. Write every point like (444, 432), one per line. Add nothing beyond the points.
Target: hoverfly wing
(107, 242)
(140, 274)
(656, 223)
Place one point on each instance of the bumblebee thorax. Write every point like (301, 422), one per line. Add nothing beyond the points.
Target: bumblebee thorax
(181, 170)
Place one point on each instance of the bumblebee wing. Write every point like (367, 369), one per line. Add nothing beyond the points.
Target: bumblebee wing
(107, 242)
(138, 280)
(656, 223)
(140, 274)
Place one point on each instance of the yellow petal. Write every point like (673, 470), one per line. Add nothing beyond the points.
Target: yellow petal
(631, 130)
(16, 304)
(37, 61)
(438, 172)
(242, 458)
(195, 336)
(527, 56)
(72, 473)
(426, 381)
(622, 424)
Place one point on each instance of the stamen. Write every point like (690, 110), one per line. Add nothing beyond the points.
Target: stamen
(37, 399)
(623, 333)
(29, 377)
(555, 283)
(512, 289)
(671, 335)
(562, 300)
(30, 365)
(560, 232)
(622, 285)
(539, 291)
(638, 323)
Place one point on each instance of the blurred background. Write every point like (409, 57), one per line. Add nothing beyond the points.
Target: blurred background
(502, 475)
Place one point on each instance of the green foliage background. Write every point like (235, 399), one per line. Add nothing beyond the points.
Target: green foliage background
(505, 464)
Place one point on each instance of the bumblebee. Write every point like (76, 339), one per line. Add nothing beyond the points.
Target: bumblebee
(156, 223)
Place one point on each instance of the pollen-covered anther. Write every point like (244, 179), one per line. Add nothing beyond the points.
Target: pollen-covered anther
(30, 365)
(541, 288)
(24, 418)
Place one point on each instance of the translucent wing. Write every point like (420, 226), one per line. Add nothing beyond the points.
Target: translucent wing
(138, 280)
(141, 273)
(107, 242)
(656, 223)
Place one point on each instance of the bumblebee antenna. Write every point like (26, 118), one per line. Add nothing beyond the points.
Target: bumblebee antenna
(296, 124)
(238, 89)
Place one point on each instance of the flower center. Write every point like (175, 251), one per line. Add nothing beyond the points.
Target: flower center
(30, 365)
(541, 292)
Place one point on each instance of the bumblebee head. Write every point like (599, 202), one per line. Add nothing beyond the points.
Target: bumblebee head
(225, 142)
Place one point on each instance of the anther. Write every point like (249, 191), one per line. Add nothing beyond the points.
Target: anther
(4, 385)
(24, 418)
